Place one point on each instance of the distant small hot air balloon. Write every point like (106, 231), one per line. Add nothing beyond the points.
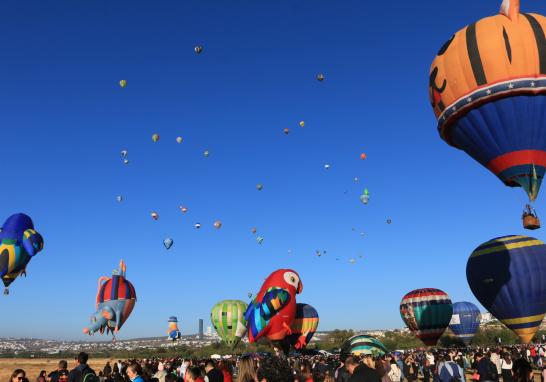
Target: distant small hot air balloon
(217, 224)
(183, 209)
(173, 332)
(389, 221)
(154, 215)
(365, 197)
(356, 179)
(286, 130)
(260, 240)
(119, 198)
(168, 243)
(197, 225)
(123, 83)
(249, 294)
(259, 186)
(326, 166)
(352, 261)
(363, 156)
(126, 161)
(155, 137)
(228, 319)
(198, 49)
(302, 123)
(124, 153)
(253, 230)
(465, 321)
(179, 139)
(206, 153)
(320, 77)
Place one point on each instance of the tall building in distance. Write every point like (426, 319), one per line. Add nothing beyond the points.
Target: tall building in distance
(200, 328)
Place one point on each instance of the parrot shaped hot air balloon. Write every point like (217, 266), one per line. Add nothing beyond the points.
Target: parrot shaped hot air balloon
(303, 327)
(227, 318)
(273, 310)
(116, 298)
(427, 313)
(506, 275)
(19, 242)
(487, 86)
(465, 321)
(173, 332)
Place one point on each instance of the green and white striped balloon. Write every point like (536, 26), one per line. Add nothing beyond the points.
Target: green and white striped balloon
(228, 320)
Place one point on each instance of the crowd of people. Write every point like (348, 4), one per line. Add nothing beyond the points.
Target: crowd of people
(508, 364)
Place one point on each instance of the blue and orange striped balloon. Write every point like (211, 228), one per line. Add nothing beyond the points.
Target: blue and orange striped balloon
(506, 275)
(427, 313)
(305, 323)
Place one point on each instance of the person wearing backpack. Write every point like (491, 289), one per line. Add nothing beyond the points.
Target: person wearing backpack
(82, 372)
(486, 369)
(450, 371)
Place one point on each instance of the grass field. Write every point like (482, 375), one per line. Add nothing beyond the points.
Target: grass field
(33, 366)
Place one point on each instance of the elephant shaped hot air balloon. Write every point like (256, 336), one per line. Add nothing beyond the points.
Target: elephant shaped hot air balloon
(487, 87)
(303, 327)
(116, 298)
(465, 321)
(19, 242)
(506, 274)
(227, 318)
(363, 345)
(427, 313)
(173, 332)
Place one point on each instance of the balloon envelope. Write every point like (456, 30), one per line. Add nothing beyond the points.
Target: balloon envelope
(427, 313)
(465, 321)
(227, 318)
(363, 345)
(305, 324)
(506, 275)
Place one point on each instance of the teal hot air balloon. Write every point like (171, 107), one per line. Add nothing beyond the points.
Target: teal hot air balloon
(427, 313)
(465, 321)
(363, 345)
(506, 274)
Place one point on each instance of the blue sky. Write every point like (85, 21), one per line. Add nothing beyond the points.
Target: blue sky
(64, 120)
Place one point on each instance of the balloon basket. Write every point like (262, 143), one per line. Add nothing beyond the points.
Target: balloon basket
(531, 222)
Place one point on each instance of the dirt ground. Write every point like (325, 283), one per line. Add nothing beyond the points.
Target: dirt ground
(33, 366)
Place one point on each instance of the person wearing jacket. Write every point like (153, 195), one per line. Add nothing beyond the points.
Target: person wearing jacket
(450, 370)
(362, 372)
(133, 372)
(81, 369)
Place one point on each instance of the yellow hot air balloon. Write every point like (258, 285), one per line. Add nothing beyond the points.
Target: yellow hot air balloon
(155, 137)
(302, 123)
(217, 224)
(179, 140)
(123, 83)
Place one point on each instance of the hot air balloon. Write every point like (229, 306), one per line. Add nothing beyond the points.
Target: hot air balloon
(389, 221)
(363, 156)
(154, 215)
(253, 230)
(487, 87)
(303, 327)
(198, 49)
(227, 318)
(183, 209)
(168, 243)
(506, 275)
(326, 166)
(260, 240)
(302, 123)
(155, 137)
(365, 197)
(206, 153)
(119, 198)
(126, 161)
(259, 187)
(217, 224)
(173, 332)
(123, 83)
(19, 243)
(249, 294)
(197, 225)
(427, 313)
(320, 77)
(465, 321)
(179, 140)
(124, 153)
(363, 345)
(286, 130)
(116, 298)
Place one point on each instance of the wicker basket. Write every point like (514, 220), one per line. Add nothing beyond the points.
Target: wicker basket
(531, 222)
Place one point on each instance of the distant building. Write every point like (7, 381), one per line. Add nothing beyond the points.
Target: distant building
(200, 328)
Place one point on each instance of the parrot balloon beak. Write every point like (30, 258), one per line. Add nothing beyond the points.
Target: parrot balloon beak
(86, 330)
(300, 287)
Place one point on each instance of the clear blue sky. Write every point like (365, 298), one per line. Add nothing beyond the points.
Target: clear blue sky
(64, 120)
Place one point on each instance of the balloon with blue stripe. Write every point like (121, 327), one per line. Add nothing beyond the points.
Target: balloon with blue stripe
(465, 321)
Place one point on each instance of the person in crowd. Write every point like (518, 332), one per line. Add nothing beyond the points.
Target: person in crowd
(227, 372)
(42, 376)
(274, 369)
(362, 372)
(194, 374)
(450, 371)
(81, 372)
(107, 370)
(395, 373)
(212, 373)
(523, 372)
(18, 375)
(305, 371)
(379, 367)
(411, 369)
(62, 369)
(161, 373)
(247, 370)
(134, 371)
(486, 370)
(506, 368)
(341, 374)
